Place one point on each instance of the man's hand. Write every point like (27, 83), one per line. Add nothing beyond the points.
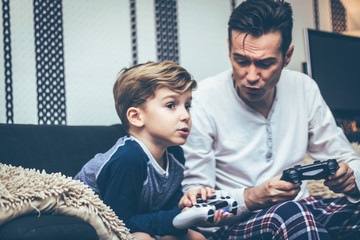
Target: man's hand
(189, 198)
(269, 193)
(343, 181)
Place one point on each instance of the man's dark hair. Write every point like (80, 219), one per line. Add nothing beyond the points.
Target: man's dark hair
(258, 17)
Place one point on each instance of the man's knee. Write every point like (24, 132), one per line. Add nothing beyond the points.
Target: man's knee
(294, 220)
(288, 215)
(290, 210)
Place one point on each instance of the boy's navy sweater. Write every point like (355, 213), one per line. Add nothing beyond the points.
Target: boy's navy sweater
(142, 194)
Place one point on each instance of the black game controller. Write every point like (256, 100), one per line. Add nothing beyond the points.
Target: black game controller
(317, 170)
(204, 211)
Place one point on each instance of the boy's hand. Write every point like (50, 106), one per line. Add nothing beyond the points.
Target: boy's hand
(343, 181)
(269, 193)
(189, 198)
(219, 215)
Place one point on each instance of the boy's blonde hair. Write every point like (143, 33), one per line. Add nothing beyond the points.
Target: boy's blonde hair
(135, 85)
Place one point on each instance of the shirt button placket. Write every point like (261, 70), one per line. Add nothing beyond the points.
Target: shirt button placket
(269, 142)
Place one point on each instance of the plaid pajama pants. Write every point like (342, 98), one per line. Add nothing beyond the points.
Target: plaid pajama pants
(310, 218)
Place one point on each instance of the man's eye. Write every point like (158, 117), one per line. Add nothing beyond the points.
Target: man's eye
(264, 64)
(243, 63)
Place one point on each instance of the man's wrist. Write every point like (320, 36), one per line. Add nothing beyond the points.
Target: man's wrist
(354, 195)
(248, 199)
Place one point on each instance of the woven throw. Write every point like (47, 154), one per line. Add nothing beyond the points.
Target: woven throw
(28, 191)
(317, 187)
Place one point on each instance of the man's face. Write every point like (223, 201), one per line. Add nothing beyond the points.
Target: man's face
(257, 63)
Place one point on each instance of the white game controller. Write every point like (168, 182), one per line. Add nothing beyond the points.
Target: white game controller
(204, 211)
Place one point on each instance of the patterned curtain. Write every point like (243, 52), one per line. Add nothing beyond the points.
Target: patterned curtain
(48, 26)
(166, 30)
(7, 62)
(338, 16)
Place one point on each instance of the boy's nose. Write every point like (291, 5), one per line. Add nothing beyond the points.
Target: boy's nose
(185, 115)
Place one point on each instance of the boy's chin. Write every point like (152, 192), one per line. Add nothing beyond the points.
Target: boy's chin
(179, 142)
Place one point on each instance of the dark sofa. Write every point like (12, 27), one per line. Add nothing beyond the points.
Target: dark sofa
(54, 148)
(62, 149)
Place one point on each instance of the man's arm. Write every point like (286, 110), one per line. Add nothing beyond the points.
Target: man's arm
(328, 141)
(344, 181)
(270, 193)
(200, 170)
(200, 165)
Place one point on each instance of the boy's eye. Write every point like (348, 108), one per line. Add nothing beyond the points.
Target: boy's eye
(187, 106)
(170, 105)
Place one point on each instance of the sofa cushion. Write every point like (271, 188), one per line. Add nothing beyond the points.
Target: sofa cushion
(46, 227)
(55, 148)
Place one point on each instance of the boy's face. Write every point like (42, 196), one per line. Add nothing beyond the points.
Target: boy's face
(166, 117)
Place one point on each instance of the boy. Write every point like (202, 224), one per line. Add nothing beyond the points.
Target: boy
(140, 177)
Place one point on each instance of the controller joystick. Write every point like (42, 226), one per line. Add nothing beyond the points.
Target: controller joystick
(317, 170)
(204, 211)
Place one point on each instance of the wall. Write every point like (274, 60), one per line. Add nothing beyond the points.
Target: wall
(97, 44)
(353, 16)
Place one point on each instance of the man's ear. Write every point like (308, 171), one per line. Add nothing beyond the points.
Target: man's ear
(229, 50)
(288, 55)
(134, 116)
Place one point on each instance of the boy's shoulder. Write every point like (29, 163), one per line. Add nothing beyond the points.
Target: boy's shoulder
(128, 151)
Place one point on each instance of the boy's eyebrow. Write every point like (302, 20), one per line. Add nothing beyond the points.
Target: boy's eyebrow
(174, 95)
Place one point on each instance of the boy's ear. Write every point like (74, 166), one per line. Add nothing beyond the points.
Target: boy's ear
(134, 116)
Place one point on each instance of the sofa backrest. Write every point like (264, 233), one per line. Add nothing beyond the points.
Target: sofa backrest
(55, 148)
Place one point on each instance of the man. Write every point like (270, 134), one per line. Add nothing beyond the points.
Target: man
(257, 119)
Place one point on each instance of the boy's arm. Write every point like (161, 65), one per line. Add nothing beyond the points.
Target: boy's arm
(175, 199)
(120, 185)
(157, 223)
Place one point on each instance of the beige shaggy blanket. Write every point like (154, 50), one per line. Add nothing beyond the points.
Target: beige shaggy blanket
(27, 191)
(317, 187)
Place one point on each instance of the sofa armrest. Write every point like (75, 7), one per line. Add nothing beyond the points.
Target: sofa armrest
(47, 227)
(55, 148)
